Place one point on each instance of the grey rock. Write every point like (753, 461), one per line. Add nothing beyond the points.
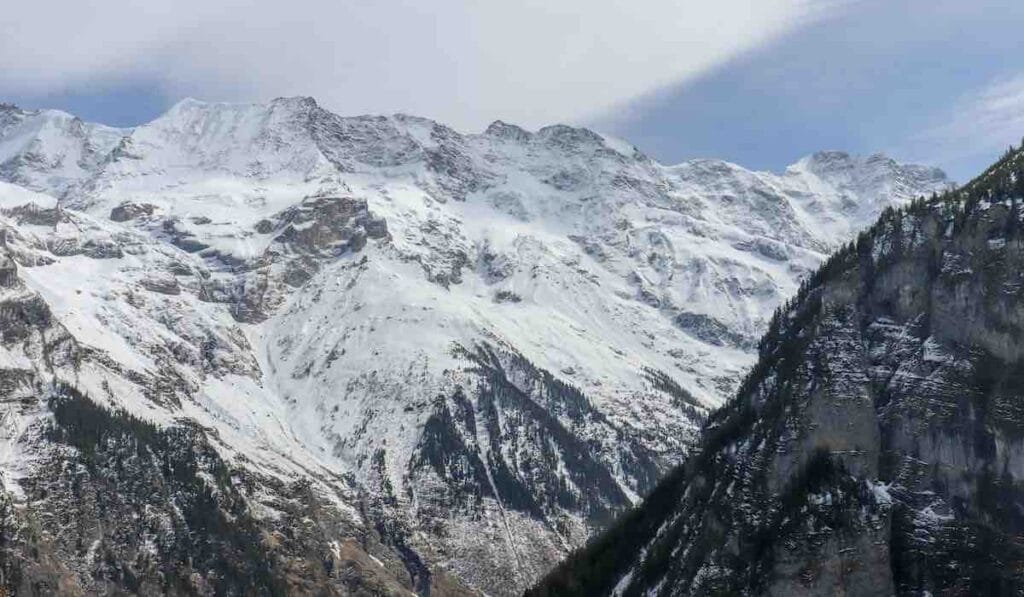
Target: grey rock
(877, 447)
(130, 211)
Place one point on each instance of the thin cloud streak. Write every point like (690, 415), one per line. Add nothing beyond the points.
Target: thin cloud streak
(982, 122)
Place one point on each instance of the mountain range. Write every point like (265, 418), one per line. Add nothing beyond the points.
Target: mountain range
(268, 349)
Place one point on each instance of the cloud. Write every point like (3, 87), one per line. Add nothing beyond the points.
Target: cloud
(980, 124)
(462, 61)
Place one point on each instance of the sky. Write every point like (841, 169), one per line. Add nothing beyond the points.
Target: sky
(939, 82)
(757, 82)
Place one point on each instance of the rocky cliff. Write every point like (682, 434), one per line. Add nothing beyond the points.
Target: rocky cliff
(877, 446)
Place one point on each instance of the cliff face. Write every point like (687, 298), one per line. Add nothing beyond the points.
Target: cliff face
(877, 447)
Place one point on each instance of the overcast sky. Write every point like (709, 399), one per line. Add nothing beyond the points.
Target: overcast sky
(759, 82)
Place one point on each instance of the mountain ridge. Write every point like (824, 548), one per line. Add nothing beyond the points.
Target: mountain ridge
(874, 448)
(478, 347)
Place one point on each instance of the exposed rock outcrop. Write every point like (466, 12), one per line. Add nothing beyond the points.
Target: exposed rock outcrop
(877, 447)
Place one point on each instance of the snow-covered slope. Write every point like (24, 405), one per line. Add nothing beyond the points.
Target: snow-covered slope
(865, 450)
(50, 150)
(482, 346)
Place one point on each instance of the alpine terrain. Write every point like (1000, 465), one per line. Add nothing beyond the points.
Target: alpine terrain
(265, 349)
(877, 446)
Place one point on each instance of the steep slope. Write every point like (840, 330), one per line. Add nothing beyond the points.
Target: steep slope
(477, 348)
(50, 150)
(876, 447)
(98, 500)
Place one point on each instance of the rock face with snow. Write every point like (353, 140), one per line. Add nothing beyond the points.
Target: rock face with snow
(403, 357)
(50, 149)
(876, 448)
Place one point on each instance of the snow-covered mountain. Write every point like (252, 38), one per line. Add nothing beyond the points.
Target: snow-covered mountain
(876, 447)
(475, 349)
(50, 149)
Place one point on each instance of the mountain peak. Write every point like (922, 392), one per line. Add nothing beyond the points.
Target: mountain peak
(846, 168)
(187, 103)
(504, 130)
(565, 135)
(296, 100)
(828, 161)
(301, 103)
